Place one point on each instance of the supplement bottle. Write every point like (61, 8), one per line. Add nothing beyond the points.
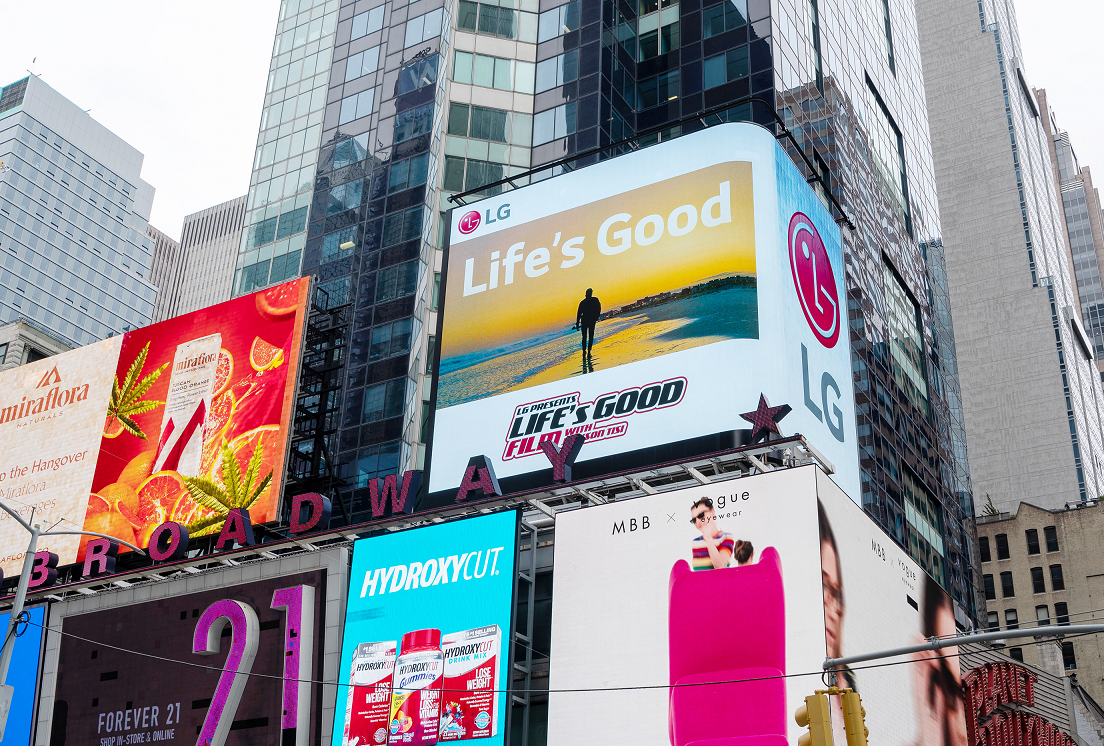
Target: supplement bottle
(416, 697)
(369, 704)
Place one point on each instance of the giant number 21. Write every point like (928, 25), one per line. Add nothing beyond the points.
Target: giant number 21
(298, 604)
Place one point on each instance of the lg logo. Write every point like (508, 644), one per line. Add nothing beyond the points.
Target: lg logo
(472, 220)
(814, 280)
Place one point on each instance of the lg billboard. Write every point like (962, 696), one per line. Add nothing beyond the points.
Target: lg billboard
(646, 302)
(125, 434)
(426, 655)
(707, 613)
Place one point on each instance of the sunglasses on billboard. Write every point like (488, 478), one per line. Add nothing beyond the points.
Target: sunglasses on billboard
(708, 503)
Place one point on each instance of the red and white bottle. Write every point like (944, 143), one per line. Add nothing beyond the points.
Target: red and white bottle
(416, 694)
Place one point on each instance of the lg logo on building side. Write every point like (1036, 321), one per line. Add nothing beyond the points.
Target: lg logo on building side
(814, 280)
(472, 220)
(815, 283)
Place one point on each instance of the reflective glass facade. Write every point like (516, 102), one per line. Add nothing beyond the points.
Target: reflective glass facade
(75, 259)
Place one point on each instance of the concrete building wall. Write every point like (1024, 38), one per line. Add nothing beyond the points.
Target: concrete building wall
(1026, 386)
(208, 248)
(21, 343)
(166, 255)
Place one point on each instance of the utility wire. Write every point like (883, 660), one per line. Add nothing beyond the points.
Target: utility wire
(581, 690)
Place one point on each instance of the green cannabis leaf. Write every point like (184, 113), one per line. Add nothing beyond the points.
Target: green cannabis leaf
(126, 398)
(236, 491)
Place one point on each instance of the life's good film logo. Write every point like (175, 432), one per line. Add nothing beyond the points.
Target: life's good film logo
(600, 419)
(814, 280)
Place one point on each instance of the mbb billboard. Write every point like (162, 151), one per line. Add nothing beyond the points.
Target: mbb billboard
(426, 654)
(646, 302)
(714, 625)
(159, 424)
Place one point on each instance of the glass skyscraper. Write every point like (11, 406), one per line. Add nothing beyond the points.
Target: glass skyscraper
(378, 111)
(75, 259)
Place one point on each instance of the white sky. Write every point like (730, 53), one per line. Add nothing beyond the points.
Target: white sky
(184, 81)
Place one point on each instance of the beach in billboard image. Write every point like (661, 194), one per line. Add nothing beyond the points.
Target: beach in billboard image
(689, 280)
(197, 420)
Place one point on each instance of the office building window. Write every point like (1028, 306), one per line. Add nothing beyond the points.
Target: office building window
(658, 33)
(1016, 654)
(1037, 583)
(812, 54)
(993, 620)
(362, 63)
(1012, 619)
(390, 340)
(1051, 535)
(983, 545)
(356, 106)
(402, 226)
(409, 173)
(1032, 541)
(493, 20)
(725, 68)
(554, 123)
(350, 151)
(558, 21)
(337, 292)
(413, 122)
(384, 401)
(1056, 581)
(1002, 546)
(1007, 589)
(493, 125)
(344, 197)
(1042, 615)
(495, 72)
(465, 174)
(888, 148)
(1061, 613)
(658, 90)
(418, 74)
(906, 343)
(377, 462)
(292, 222)
(557, 70)
(424, 27)
(724, 16)
(339, 245)
(3, 352)
(397, 281)
(367, 23)
(1069, 661)
(990, 589)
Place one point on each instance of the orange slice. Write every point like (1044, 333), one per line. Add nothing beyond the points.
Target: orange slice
(222, 409)
(265, 356)
(224, 370)
(278, 302)
(156, 497)
(119, 493)
(112, 427)
(96, 504)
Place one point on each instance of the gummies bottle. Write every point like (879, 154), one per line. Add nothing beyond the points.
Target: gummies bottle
(416, 694)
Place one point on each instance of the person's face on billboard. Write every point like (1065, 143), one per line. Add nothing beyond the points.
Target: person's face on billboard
(833, 598)
(704, 519)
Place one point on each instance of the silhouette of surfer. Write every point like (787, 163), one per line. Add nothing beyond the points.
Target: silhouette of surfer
(590, 308)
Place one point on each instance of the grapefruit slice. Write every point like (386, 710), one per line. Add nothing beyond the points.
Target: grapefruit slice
(279, 302)
(222, 409)
(223, 371)
(112, 427)
(96, 504)
(265, 356)
(156, 497)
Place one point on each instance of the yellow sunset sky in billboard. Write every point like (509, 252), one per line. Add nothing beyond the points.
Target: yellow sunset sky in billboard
(519, 283)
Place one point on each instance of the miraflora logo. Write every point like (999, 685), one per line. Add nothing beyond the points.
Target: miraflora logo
(469, 222)
(52, 377)
(56, 397)
(814, 280)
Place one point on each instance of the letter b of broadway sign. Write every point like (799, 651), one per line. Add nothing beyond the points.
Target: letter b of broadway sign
(253, 650)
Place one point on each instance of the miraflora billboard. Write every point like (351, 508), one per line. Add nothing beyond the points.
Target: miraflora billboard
(426, 654)
(716, 620)
(123, 435)
(190, 668)
(643, 302)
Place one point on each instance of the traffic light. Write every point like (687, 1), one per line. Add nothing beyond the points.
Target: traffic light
(854, 718)
(816, 715)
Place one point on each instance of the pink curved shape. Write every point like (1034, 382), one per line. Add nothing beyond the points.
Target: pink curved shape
(726, 689)
(245, 633)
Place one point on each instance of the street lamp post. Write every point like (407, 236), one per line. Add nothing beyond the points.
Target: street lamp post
(7, 691)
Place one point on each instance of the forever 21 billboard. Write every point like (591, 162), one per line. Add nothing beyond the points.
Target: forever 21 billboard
(225, 666)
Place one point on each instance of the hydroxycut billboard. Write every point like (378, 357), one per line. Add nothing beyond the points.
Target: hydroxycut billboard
(125, 434)
(645, 302)
(426, 653)
(718, 605)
